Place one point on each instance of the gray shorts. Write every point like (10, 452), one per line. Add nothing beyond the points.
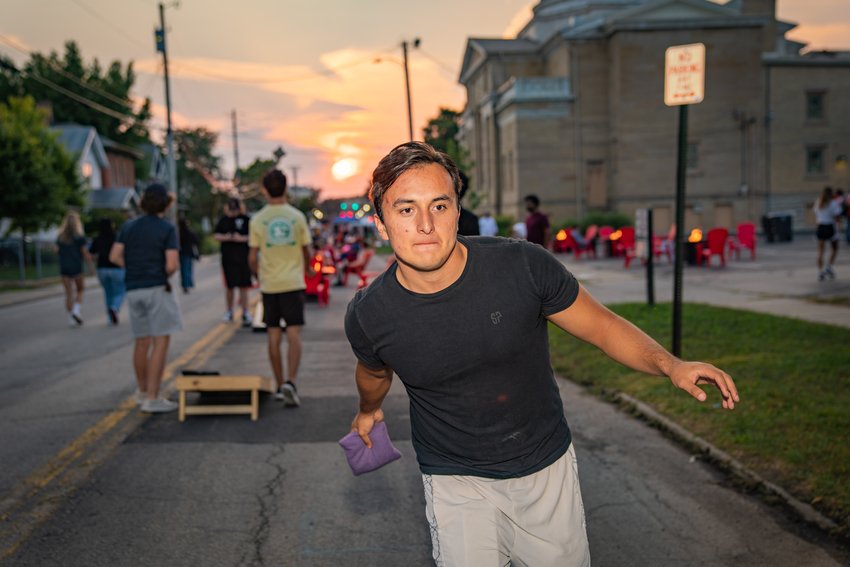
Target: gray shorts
(153, 312)
(532, 520)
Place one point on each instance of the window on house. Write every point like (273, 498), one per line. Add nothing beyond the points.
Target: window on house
(815, 160)
(692, 156)
(815, 105)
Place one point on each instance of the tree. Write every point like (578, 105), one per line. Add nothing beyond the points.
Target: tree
(250, 180)
(441, 132)
(43, 77)
(38, 179)
(197, 171)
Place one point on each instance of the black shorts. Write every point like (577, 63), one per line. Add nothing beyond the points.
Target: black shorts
(288, 306)
(236, 274)
(826, 231)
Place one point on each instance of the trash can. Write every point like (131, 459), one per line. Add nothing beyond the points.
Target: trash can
(778, 227)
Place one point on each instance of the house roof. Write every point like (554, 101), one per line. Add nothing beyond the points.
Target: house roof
(111, 146)
(119, 198)
(80, 141)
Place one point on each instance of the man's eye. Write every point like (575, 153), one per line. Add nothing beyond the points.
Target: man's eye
(440, 207)
(406, 211)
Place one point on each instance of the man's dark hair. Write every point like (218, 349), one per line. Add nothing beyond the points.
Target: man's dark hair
(403, 158)
(155, 199)
(464, 185)
(274, 182)
(533, 199)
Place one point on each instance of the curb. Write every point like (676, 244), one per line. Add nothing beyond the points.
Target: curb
(805, 511)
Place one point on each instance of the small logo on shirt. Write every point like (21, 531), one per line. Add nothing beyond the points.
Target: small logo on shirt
(496, 317)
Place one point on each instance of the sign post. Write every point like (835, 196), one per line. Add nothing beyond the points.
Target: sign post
(684, 84)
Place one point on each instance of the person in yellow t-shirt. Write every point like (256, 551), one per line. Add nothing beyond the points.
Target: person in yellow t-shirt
(280, 256)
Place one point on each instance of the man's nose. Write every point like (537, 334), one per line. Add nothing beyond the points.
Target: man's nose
(426, 222)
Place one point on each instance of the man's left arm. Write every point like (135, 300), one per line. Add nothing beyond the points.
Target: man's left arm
(253, 261)
(622, 341)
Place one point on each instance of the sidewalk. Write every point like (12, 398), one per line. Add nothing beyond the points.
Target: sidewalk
(781, 281)
(36, 292)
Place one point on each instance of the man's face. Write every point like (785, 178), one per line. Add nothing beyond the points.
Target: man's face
(530, 206)
(420, 217)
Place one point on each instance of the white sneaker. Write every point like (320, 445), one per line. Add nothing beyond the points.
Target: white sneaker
(228, 316)
(290, 396)
(829, 273)
(72, 322)
(140, 397)
(158, 405)
(246, 319)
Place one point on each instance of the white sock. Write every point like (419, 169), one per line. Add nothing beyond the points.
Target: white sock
(76, 309)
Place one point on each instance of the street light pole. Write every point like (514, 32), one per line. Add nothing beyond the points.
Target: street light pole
(169, 133)
(404, 46)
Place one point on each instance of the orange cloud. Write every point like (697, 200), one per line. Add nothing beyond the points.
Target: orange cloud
(356, 112)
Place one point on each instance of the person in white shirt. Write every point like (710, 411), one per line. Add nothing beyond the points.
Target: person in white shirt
(487, 225)
(827, 210)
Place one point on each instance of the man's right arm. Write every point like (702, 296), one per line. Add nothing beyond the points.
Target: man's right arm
(373, 385)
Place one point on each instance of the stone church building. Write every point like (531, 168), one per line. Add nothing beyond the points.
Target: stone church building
(572, 109)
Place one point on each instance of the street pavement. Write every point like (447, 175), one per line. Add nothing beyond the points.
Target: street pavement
(87, 480)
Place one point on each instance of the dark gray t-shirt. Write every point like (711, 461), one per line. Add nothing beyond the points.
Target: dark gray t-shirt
(474, 358)
(145, 241)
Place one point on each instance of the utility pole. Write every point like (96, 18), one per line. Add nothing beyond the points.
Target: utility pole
(404, 45)
(294, 169)
(235, 146)
(169, 133)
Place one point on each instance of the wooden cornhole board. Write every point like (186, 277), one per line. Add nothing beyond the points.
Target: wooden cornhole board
(223, 383)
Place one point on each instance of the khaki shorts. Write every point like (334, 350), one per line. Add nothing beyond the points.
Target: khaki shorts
(153, 312)
(535, 520)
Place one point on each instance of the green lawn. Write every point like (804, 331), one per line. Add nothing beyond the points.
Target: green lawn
(792, 425)
(14, 272)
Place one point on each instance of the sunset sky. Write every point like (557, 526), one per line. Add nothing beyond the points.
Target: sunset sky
(323, 79)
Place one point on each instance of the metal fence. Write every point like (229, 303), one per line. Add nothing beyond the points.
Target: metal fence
(27, 259)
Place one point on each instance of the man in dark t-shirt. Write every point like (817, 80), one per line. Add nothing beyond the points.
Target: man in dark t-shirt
(232, 232)
(463, 322)
(536, 223)
(146, 248)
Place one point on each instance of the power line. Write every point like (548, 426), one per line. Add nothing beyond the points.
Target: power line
(97, 107)
(448, 68)
(115, 28)
(81, 99)
(67, 75)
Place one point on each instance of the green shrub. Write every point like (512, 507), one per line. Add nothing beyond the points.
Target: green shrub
(504, 222)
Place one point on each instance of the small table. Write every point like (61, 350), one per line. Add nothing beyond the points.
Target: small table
(217, 383)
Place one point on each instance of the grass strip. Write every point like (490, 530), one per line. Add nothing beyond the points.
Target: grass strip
(793, 423)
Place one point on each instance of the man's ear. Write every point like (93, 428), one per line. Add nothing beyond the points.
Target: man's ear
(382, 230)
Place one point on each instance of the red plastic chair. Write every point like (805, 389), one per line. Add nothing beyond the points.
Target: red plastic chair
(578, 249)
(319, 285)
(715, 246)
(358, 268)
(625, 245)
(746, 238)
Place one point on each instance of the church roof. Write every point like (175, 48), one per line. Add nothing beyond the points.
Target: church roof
(478, 49)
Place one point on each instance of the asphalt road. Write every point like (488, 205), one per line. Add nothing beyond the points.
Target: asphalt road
(126, 489)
